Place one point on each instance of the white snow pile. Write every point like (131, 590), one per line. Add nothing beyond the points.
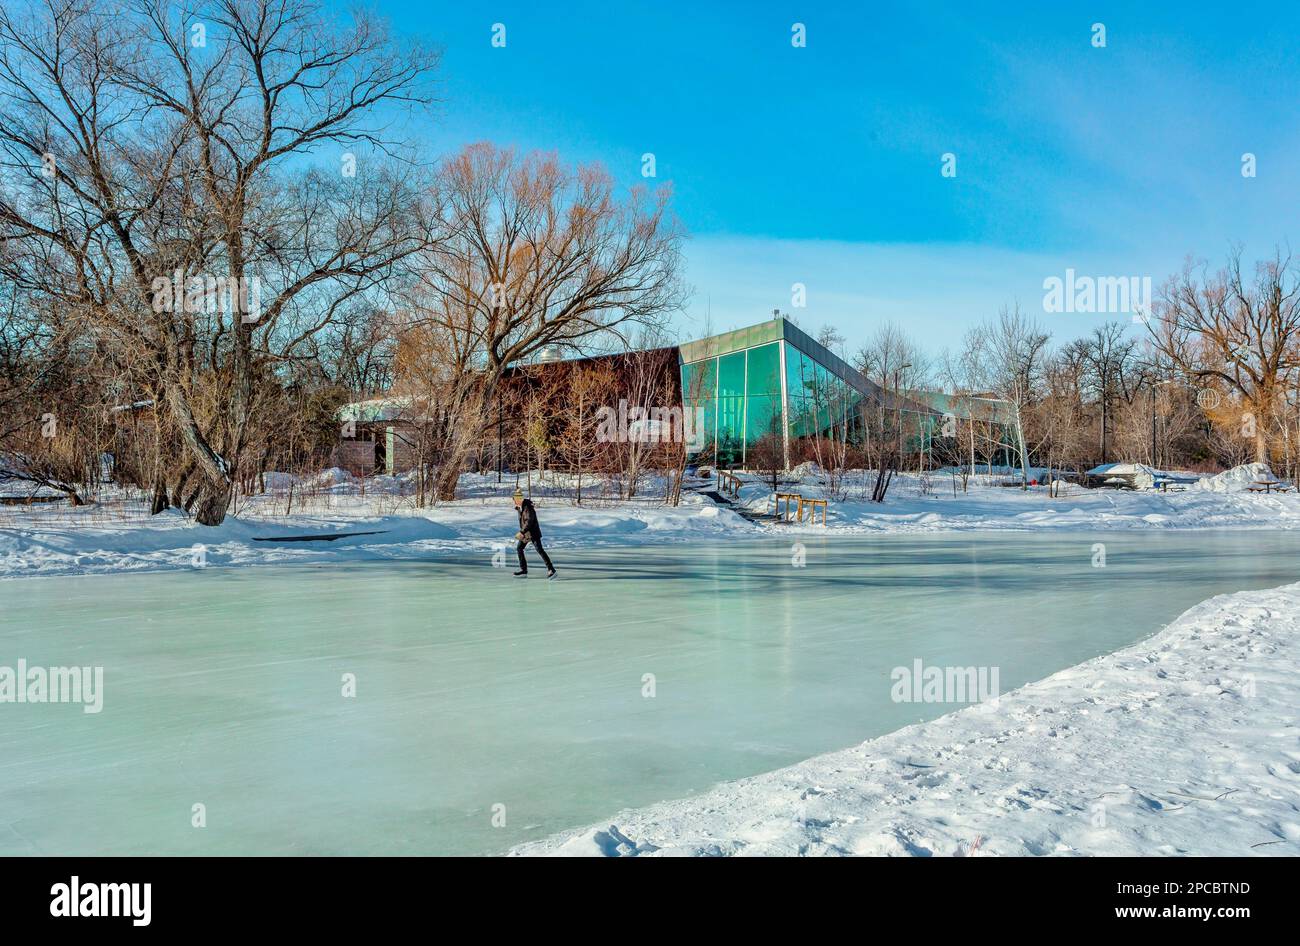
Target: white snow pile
(334, 476)
(1237, 479)
(1184, 744)
(1139, 475)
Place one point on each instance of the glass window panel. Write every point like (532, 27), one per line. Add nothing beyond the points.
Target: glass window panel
(699, 386)
(708, 429)
(763, 440)
(841, 400)
(762, 417)
(731, 426)
(764, 370)
(825, 379)
(700, 380)
(793, 386)
(807, 374)
(731, 375)
(799, 420)
(822, 396)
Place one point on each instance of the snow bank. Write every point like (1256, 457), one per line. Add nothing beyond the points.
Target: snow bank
(59, 540)
(914, 507)
(1039, 473)
(1235, 480)
(1139, 475)
(334, 476)
(51, 546)
(1059, 767)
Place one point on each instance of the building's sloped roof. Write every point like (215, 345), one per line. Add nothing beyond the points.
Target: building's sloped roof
(774, 330)
(834, 363)
(380, 409)
(977, 407)
(750, 337)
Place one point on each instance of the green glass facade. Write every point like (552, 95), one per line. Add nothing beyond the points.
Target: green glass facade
(767, 381)
(740, 393)
(771, 384)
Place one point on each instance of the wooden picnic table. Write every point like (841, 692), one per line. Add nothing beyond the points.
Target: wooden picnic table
(1269, 486)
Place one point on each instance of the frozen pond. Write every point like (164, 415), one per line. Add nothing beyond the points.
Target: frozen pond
(223, 687)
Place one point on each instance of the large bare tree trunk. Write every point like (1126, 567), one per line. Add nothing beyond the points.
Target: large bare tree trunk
(214, 471)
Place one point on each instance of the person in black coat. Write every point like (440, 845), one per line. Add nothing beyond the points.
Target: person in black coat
(529, 531)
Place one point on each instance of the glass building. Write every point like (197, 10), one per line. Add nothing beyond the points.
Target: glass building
(764, 395)
(763, 387)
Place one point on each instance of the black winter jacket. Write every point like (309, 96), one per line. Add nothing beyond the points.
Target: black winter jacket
(528, 525)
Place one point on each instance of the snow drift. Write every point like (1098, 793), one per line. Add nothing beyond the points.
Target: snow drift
(1237, 479)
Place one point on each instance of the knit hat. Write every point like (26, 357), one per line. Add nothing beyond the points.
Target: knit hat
(519, 494)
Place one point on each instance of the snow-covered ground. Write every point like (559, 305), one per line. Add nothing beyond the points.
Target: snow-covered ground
(117, 535)
(936, 503)
(1185, 744)
(50, 541)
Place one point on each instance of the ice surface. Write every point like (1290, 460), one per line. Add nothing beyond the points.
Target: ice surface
(475, 690)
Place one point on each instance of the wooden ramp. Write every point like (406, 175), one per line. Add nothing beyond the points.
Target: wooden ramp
(719, 500)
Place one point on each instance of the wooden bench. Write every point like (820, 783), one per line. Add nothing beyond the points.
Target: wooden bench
(787, 497)
(812, 505)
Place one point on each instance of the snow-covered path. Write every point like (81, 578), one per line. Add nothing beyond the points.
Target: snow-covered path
(1187, 743)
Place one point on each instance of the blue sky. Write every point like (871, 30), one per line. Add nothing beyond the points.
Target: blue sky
(821, 165)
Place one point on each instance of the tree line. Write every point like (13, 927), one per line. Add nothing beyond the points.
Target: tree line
(214, 232)
(210, 237)
(1208, 377)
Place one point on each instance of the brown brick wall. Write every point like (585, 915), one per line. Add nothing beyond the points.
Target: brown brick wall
(356, 456)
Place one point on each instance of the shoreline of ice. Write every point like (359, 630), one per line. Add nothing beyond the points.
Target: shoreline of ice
(55, 542)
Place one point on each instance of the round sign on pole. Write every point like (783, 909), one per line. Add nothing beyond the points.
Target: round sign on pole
(1208, 398)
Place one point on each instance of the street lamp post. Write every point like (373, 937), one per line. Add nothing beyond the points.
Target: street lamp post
(1155, 462)
(898, 412)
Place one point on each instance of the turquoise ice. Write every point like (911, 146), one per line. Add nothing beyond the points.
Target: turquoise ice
(490, 710)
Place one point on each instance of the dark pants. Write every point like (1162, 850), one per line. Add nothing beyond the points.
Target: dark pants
(537, 544)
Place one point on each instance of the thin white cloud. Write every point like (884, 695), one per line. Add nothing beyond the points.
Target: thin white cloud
(935, 291)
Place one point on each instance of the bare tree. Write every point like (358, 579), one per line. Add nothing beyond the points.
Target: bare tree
(588, 388)
(537, 255)
(1235, 333)
(159, 188)
(647, 385)
(1008, 357)
(1113, 374)
(896, 363)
